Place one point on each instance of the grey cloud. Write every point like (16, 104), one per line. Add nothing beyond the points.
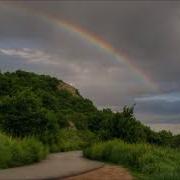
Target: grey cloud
(149, 32)
(159, 107)
(171, 97)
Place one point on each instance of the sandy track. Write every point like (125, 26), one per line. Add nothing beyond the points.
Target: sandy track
(105, 173)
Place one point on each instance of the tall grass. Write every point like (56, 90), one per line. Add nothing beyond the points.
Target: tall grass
(151, 161)
(17, 152)
(70, 139)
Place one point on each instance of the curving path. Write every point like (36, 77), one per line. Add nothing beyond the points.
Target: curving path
(66, 166)
(56, 166)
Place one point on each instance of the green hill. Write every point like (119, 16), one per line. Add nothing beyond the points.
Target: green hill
(40, 105)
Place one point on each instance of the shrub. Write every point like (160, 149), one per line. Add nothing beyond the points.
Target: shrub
(17, 152)
(143, 158)
(70, 139)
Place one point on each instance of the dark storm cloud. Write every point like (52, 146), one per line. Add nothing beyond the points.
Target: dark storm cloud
(149, 32)
(153, 118)
(159, 107)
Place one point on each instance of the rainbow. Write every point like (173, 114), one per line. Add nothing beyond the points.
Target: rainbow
(99, 42)
(95, 40)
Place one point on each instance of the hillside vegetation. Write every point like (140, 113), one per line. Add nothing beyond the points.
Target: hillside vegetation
(147, 161)
(53, 115)
(17, 152)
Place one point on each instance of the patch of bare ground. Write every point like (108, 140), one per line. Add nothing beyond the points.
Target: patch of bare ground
(105, 173)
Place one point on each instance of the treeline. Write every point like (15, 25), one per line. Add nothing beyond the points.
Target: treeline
(109, 125)
(35, 105)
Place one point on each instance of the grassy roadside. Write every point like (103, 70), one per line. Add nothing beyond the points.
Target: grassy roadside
(18, 152)
(147, 162)
(21, 151)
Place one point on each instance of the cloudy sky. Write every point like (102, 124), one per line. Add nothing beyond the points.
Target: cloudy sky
(115, 53)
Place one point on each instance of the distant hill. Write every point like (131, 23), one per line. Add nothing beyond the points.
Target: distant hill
(28, 100)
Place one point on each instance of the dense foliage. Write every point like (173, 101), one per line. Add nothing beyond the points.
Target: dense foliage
(70, 139)
(151, 161)
(36, 105)
(31, 104)
(16, 152)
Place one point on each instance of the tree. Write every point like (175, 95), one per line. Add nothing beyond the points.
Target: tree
(23, 115)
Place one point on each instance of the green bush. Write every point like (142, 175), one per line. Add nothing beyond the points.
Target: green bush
(17, 152)
(70, 139)
(22, 115)
(165, 176)
(147, 159)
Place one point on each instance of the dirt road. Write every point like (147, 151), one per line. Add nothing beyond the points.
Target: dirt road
(105, 173)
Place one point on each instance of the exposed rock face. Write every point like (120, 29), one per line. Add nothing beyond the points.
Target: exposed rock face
(69, 88)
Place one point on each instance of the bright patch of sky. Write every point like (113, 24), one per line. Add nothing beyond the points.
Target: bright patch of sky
(170, 97)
